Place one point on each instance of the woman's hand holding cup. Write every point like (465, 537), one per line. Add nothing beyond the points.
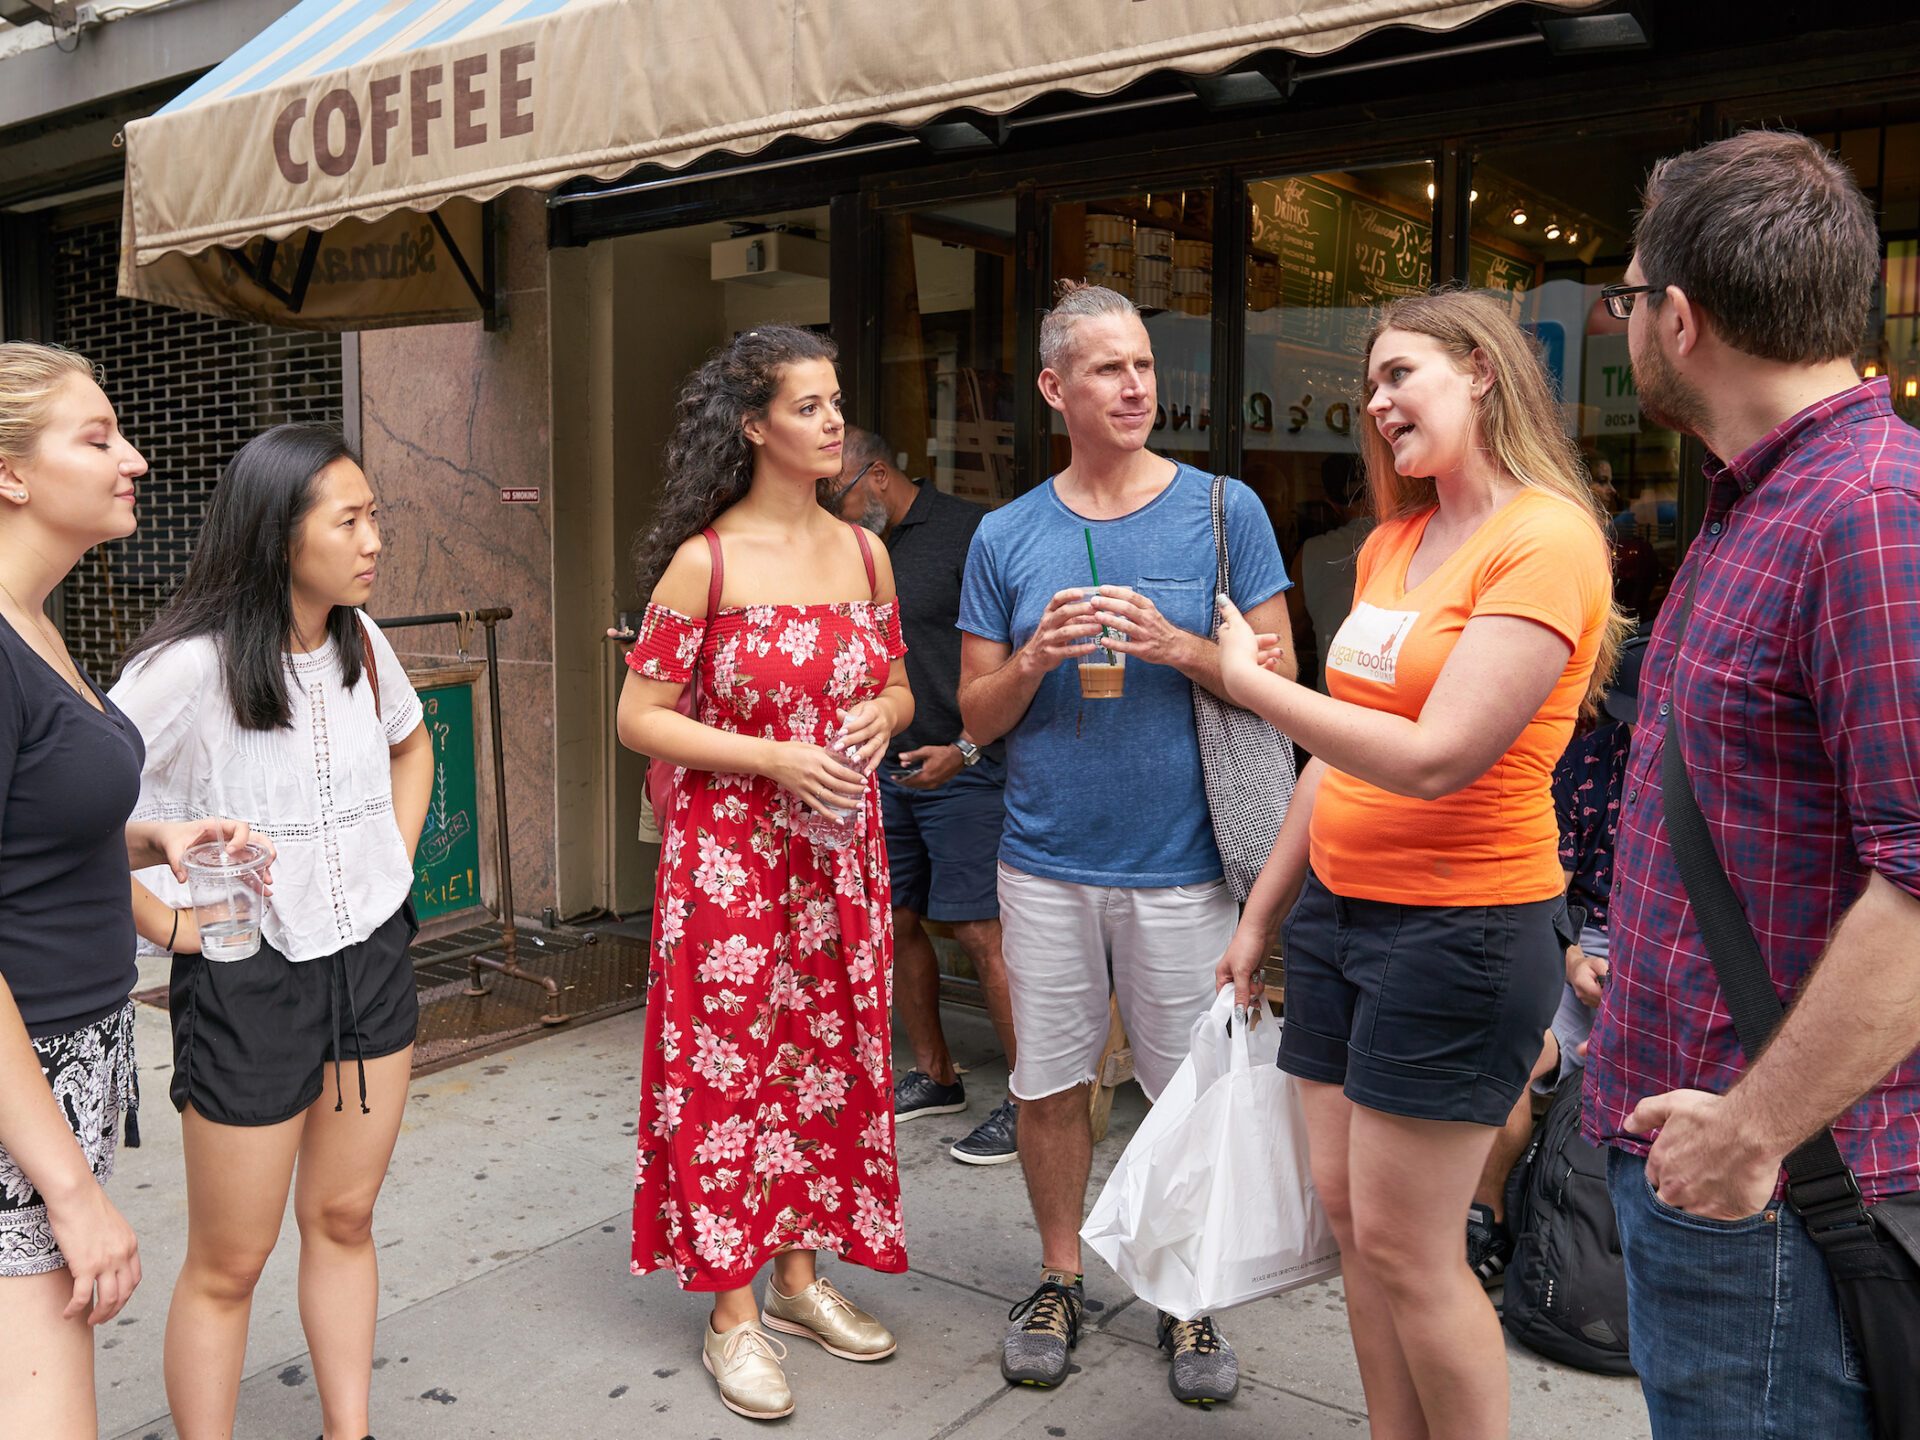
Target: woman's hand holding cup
(821, 779)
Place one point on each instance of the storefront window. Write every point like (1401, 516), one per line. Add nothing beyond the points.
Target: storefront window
(1156, 247)
(1552, 224)
(946, 353)
(1884, 154)
(1323, 251)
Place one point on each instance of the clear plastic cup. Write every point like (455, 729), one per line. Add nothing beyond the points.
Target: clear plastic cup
(229, 895)
(1103, 675)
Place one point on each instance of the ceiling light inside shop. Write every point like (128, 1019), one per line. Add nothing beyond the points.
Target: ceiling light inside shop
(1553, 230)
(1472, 195)
(1519, 216)
(1429, 189)
(1573, 237)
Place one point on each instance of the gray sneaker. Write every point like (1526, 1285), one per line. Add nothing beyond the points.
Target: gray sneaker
(1046, 1327)
(1205, 1369)
(994, 1141)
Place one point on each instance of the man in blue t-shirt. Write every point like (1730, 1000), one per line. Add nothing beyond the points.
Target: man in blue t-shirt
(1107, 863)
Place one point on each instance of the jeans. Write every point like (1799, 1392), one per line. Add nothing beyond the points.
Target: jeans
(1734, 1327)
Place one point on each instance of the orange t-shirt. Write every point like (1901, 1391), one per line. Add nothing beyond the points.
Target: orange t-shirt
(1494, 842)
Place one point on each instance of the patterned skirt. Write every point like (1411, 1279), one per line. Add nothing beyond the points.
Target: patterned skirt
(92, 1074)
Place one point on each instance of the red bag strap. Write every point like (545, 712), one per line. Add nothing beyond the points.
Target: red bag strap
(372, 669)
(866, 554)
(719, 573)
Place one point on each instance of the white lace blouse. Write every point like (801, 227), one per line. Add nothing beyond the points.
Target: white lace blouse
(321, 788)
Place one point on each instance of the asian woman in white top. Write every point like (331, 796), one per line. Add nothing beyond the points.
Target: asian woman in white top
(263, 688)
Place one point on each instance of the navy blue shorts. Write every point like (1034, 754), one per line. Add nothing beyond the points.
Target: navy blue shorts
(1435, 1012)
(943, 846)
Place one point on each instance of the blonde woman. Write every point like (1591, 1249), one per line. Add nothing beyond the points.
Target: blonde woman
(69, 776)
(1423, 959)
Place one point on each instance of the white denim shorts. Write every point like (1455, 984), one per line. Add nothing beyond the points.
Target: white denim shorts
(1068, 946)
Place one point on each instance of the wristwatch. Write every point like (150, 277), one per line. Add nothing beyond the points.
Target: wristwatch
(969, 752)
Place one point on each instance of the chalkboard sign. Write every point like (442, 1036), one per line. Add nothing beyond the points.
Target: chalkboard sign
(1387, 255)
(1298, 223)
(1490, 270)
(446, 867)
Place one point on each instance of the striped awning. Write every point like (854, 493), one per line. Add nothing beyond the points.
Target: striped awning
(330, 173)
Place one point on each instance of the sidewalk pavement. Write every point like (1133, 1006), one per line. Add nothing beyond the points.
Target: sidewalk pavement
(507, 1309)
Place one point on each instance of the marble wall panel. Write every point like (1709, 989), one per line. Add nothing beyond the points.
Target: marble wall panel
(451, 414)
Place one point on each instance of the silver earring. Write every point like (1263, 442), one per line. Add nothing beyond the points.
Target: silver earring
(19, 494)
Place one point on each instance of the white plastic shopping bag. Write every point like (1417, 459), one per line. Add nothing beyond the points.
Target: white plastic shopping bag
(1212, 1203)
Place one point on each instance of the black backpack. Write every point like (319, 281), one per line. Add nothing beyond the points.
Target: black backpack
(1566, 1291)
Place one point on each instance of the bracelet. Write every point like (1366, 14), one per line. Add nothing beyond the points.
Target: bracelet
(173, 934)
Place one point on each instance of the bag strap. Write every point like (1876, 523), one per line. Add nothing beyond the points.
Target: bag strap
(719, 573)
(1820, 1187)
(1222, 581)
(866, 555)
(367, 663)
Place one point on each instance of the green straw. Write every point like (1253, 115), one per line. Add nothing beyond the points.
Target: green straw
(1092, 564)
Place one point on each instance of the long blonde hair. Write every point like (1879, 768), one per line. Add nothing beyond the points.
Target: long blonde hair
(1516, 421)
(30, 376)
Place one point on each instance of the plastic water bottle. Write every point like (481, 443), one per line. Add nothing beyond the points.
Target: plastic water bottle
(836, 829)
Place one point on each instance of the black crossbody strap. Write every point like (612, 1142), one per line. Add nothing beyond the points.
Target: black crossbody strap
(1820, 1186)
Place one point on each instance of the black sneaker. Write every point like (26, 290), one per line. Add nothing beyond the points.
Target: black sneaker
(1046, 1327)
(1205, 1369)
(1489, 1246)
(917, 1093)
(994, 1141)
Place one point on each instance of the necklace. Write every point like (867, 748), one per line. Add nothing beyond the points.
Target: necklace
(71, 672)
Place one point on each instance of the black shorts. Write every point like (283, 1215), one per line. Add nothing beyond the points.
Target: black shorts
(252, 1038)
(1435, 1012)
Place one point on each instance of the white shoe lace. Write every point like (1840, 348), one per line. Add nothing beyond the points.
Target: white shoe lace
(832, 1296)
(750, 1338)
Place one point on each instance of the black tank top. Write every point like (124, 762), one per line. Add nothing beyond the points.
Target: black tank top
(69, 777)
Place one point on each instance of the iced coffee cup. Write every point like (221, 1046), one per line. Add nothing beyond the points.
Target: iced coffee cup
(229, 893)
(1103, 675)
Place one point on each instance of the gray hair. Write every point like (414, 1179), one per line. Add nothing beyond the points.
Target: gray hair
(1768, 233)
(862, 447)
(1073, 303)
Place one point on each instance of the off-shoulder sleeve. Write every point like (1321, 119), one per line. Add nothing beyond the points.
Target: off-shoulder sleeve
(669, 644)
(890, 630)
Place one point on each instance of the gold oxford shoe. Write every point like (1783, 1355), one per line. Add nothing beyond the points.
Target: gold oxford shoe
(745, 1363)
(822, 1314)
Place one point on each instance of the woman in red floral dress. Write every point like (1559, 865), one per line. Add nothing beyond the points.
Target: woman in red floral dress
(766, 1111)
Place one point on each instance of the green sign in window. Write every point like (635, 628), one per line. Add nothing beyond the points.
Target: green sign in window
(446, 867)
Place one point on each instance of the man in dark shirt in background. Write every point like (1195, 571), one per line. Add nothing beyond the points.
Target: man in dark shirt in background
(943, 798)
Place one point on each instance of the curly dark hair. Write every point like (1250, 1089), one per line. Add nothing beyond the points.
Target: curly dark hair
(709, 460)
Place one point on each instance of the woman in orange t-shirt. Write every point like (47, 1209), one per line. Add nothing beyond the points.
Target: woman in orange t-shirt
(1423, 965)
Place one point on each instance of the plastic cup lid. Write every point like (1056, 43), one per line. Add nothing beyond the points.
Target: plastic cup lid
(213, 855)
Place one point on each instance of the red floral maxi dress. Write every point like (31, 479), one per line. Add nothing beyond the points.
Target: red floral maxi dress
(766, 1099)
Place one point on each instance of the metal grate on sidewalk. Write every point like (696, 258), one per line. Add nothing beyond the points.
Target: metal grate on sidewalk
(598, 974)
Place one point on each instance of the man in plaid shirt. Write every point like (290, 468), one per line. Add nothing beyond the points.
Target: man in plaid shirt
(1796, 689)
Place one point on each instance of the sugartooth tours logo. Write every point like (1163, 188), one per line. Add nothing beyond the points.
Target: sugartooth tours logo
(1368, 645)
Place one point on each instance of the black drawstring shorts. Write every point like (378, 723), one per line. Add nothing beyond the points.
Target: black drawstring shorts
(252, 1039)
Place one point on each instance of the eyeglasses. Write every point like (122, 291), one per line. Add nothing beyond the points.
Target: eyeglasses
(1622, 298)
(833, 500)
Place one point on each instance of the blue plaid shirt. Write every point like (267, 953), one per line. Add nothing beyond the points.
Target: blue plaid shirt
(1798, 687)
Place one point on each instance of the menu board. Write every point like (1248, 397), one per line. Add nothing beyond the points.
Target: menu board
(1387, 255)
(1340, 256)
(1490, 270)
(1300, 225)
